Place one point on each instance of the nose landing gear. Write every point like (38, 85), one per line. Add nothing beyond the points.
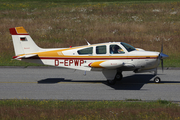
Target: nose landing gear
(157, 79)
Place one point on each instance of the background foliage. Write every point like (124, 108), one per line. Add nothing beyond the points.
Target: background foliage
(65, 23)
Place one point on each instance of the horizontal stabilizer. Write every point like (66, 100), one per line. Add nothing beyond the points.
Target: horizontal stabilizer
(25, 56)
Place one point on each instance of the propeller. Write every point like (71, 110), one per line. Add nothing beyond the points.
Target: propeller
(162, 56)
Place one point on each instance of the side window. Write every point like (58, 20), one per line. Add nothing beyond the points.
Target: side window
(101, 49)
(85, 51)
(115, 49)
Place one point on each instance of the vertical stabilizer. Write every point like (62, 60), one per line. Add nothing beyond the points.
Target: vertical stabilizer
(23, 43)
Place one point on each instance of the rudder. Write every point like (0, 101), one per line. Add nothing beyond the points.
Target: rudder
(23, 43)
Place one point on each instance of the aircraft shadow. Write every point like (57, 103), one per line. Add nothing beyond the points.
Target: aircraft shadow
(52, 80)
(132, 82)
(58, 80)
(136, 82)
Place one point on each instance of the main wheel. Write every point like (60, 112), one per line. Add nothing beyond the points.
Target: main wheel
(157, 80)
(111, 82)
(118, 76)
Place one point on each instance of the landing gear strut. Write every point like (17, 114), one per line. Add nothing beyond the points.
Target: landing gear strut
(117, 77)
(156, 79)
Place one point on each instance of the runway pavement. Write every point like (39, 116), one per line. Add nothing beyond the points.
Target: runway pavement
(67, 84)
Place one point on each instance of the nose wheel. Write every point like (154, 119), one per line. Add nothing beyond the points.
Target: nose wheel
(157, 79)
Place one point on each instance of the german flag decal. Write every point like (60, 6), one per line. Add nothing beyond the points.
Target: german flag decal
(23, 38)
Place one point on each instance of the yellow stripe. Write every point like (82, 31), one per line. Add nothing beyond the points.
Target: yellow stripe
(21, 30)
(97, 64)
(81, 56)
(60, 54)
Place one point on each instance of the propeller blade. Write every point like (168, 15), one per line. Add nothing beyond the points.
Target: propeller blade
(162, 48)
(162, 55)
(162, 65)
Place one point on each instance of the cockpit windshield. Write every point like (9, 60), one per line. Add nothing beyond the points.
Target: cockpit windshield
(128, 47)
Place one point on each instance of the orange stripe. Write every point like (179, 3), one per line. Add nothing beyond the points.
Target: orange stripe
(21, 30)
(81, 56)
(97, 64)
(58, 55)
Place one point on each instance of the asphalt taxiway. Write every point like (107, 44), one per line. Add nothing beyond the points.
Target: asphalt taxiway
(67, 84)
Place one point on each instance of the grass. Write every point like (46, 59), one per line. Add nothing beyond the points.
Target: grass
(63, 24)
(85, 1)
(118, 110)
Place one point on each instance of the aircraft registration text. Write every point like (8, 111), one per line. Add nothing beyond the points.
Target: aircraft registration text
(68, 62)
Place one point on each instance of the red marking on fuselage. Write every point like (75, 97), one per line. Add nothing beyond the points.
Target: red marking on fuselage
(14, 57)
(56, 62)
(69, 62)
(89, 64)
(76, 60)
(105, 58)
(65, 62)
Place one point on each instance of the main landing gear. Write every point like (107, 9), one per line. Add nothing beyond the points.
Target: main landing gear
(117, 77)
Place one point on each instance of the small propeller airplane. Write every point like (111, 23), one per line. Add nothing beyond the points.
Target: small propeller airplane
(110, 58)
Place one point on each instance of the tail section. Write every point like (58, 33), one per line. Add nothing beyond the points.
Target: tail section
(23, 43)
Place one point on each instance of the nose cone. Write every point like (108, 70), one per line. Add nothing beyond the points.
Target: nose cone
(163, 56)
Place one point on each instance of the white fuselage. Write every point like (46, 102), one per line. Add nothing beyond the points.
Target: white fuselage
(111, 58)
(82, 57)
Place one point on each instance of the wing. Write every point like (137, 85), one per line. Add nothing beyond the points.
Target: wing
(109, 64)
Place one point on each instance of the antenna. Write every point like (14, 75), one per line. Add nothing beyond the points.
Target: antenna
(87, 42)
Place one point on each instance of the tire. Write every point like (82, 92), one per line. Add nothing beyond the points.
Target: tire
(111, 82)
(118, 76)
(157, 80)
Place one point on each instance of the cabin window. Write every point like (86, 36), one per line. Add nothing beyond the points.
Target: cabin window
(115, 49)
(101, 49)
(128, 47)
(85, 51)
